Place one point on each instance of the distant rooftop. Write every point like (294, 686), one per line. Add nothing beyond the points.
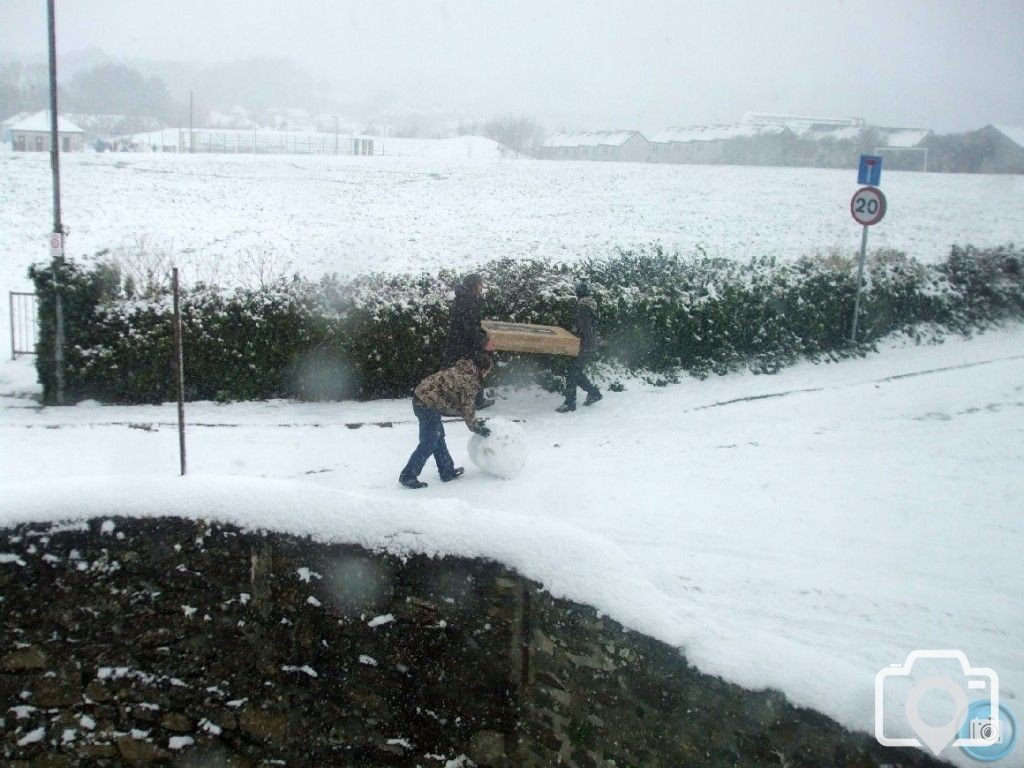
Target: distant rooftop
(590, 139)
(1013, 133)
(902, 138)
(40, 122)
(713, 132)
(800, 123)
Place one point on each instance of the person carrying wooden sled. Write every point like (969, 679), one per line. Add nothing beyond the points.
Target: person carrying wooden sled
(465, 336)
(584, 326)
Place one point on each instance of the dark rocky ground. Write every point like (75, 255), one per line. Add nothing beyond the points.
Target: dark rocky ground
(173, 642)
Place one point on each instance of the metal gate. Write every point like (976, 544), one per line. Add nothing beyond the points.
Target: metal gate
(24, 327)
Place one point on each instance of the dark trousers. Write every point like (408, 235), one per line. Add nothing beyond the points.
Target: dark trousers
(575, 377)
(431, 444)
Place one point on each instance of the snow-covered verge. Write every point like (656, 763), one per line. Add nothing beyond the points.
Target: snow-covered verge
(799, 531)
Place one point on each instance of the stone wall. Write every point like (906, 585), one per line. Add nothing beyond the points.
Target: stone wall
(172, 642)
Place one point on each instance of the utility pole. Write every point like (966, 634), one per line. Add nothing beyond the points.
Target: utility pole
(57, 236)
(179, 369)
(191, 135)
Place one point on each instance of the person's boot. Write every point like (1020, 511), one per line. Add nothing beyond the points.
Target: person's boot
(565, 408)
(412, 482)
(459, 472)
(593, 397)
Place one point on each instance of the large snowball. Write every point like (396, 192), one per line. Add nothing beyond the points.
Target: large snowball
(503, 453)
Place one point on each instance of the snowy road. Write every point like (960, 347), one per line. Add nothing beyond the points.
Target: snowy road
(799, 531)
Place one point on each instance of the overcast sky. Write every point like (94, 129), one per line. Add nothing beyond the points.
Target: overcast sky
(943, 64)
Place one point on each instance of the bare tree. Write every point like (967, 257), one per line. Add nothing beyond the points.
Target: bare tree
(516, 132)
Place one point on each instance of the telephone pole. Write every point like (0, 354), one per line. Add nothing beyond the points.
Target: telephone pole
(57, 236)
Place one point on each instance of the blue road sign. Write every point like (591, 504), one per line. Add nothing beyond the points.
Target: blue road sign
(870, 171)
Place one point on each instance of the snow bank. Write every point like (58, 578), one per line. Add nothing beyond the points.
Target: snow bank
(561, 557)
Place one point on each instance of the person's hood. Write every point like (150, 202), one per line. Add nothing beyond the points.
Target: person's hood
(466, 366)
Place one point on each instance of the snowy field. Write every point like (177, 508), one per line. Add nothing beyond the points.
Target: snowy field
(463, 206)
(802, 541)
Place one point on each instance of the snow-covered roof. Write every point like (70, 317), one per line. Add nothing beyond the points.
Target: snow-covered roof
(1013, 133)
(906, 137)
(14, 119)
(590, 139)
(690, 133)
(40, 122)
(801, 123)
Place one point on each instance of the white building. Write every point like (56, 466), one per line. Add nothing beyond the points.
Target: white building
(629, 146)
(32, 134)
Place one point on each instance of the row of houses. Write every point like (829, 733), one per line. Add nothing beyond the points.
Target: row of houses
(758, 139)
(768, 139)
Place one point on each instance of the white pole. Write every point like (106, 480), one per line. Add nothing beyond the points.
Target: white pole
(860, 281)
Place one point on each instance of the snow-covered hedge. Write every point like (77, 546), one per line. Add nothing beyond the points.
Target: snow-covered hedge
(377, 335)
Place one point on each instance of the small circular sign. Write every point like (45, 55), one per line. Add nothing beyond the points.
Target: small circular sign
(868, 206)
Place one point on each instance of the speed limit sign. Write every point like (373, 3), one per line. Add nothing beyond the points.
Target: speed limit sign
(56, 245)
(868, 206)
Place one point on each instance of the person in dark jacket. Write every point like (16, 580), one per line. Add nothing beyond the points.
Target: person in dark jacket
(465, 336)
(584, 326)
(451, 391)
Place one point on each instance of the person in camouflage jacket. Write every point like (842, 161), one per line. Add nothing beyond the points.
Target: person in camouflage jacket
(585, 326)
(450, 392)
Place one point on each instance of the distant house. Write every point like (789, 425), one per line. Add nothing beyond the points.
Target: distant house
(807, 125)
(1007, 148)
(627, 146)
(736, 143)
(790, 140)
(902, 149)
(992, 149)
(33, 134)
(764, 139)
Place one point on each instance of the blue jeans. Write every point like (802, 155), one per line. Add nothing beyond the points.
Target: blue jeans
(431, 444)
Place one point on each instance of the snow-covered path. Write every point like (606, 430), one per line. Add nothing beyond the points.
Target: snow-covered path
(799, 531)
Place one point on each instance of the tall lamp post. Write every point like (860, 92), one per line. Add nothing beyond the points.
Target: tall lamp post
(57, 236)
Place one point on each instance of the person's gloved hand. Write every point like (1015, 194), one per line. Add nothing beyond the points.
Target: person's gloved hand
(480, 429)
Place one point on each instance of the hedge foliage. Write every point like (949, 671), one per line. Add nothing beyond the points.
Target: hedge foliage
(662, 314)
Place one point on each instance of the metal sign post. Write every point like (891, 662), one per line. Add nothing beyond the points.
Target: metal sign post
(179, 369)
(867, 208)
